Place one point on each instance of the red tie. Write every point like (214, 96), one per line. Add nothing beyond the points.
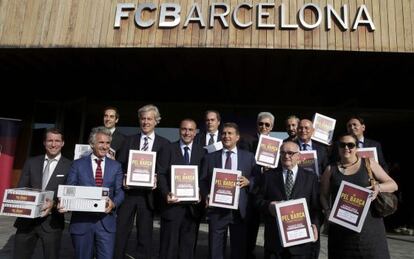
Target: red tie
(98, 173)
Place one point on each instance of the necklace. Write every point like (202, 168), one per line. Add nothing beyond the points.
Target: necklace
(347, 166)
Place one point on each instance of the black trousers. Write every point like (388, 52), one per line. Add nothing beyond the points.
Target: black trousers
(26, 240)
(144, 216)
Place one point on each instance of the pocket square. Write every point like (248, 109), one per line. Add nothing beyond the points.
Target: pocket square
(60, 175)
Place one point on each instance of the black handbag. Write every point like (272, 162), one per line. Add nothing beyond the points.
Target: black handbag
(386, 203)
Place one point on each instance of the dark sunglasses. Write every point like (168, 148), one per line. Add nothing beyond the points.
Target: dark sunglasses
(350, 145)
(289, 153)
(266, 124)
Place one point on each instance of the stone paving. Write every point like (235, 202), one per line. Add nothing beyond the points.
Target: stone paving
(401, 247)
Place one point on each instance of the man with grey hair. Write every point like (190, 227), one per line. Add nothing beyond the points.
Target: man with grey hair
(90, 231)
(139, 201)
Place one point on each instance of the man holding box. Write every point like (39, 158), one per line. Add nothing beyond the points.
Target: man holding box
(94, 231)
(44, 172)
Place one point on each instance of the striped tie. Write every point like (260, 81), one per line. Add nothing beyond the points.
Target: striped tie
(98, 173)
(289, 183)
(145, 146)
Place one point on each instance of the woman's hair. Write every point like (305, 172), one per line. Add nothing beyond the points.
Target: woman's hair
(349, 135)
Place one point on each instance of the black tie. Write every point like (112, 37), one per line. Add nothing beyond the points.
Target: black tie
(228, 160)
(211, 140)
(360, 144)
(186, 155)
(304, 147)
(289, 183)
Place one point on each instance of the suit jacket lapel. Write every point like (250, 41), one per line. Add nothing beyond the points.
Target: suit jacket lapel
(178, 153)
(299, 182)
(52, 178)
(281, 183)
(39, 171)
(90, 173)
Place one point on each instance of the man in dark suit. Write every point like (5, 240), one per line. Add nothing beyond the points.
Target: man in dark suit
(273, 189)
(179, 221)
(211, 135)
(356, 126)
(110, 119)
(264, 123)
(221, 219)
(305, 132)
(49, 227)
(139, 201)
(91, 231)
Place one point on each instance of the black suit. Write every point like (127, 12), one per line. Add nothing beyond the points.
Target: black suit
(178, 220)
(272, 188)
(138, 201)
(220, 219)
(117, 140)
(200, 138)
(48, 228)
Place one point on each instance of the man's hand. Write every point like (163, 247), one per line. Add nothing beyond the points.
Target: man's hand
(272, 208)
(60, 208)
(155, 182)
(171, 198)
(243, 181)
(47, 208)
(109, 205)
(315, 232)
(126, 187)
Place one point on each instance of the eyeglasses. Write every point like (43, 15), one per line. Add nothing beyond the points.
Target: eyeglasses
(289, 153)
(266, 124)
(350, 145)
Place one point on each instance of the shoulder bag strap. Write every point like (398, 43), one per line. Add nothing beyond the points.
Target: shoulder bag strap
(369, 170)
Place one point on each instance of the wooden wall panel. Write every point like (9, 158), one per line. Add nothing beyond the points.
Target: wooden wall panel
(90, 23)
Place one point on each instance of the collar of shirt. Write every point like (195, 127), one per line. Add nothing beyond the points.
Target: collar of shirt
(295, 173)
(215, 136)
(150, 137)
(234, 150)
(112, 130)
(309, 143)
(182, 145)
(56, 157)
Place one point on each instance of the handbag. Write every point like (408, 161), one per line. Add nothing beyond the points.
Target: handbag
(386, 203)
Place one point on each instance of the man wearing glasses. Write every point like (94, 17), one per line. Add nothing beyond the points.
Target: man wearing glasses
(287, 182)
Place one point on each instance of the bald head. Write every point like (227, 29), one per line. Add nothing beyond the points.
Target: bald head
(305, 130)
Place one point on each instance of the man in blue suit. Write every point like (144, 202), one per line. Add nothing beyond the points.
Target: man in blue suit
(89, 230)
(221, 219)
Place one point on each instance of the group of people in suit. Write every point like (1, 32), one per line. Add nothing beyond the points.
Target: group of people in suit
(105, 235)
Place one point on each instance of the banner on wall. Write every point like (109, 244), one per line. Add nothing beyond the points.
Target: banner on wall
(9, 131)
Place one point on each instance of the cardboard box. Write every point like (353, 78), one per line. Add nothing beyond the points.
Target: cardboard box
(27, 196)
(21, 210)
(82, 192)
(85, 205)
